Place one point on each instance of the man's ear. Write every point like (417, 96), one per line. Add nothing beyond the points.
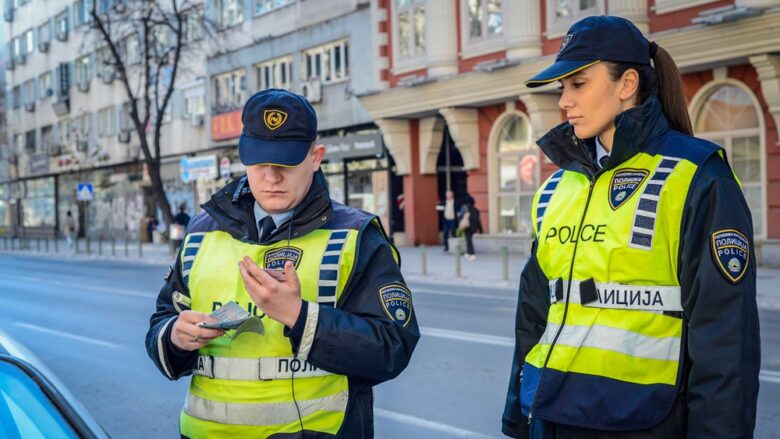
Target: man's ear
(629, 88)
(318, 152)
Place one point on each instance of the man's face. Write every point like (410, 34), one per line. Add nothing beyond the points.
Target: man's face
(278, 188)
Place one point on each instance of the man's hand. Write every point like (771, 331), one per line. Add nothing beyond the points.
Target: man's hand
(279, 297)
(188, 336)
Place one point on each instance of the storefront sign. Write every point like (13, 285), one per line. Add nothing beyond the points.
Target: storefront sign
(226, 126)
(224, 168)
(354, 145)
(39, 163)
(198, 168)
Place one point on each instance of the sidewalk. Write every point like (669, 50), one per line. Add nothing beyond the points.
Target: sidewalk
(486, 272)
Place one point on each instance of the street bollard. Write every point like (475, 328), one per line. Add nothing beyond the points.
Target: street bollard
(126, 247)
(505, 259)
(76, 244)
(38, 245)
(423, 259)
(457, 261)
(140, 248)
(46, 241)
(56, 245)
(113, 246)
(89, 245)
(100, 246)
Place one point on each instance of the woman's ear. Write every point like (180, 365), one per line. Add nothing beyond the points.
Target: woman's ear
(629, 85)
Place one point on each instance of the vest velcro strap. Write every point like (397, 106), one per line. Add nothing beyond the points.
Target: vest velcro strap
(622, 296)
(253, 369)
(262, 414)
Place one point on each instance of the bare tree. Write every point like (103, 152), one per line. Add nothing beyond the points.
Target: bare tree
(163, 29)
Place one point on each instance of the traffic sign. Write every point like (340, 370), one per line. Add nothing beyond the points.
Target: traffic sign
(84, 191)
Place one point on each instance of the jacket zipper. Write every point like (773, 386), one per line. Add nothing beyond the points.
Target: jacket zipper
(566, 305)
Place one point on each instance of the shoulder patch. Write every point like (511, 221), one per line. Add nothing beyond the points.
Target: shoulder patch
(275, 259)
(731, 252)
(623, 185)
(397, 302)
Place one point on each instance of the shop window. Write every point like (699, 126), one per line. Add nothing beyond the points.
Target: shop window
(730, 117)
(230, 13)
(518, 175)
(485, 18)
(561, 14)
(276, 73)
(329, 62)
(229, 91)
(265, 6)
(38, 202)
(410, 28)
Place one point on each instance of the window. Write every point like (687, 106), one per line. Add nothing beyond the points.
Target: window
(730, 118)
(485, 18)
(47, 137)
(194, 102)
(276, 73)
(81, 11)
(132, 49)
(230, 13)
(16, 45)
(125, 124)
(410, 16)
(329, 62)
(263, 6)
(63, 83)
(83, 125)
(61, 24)
(193, 24)
(63, 132)
(106, 122)
(19, 144)
(29, 92)
(38, 205)
(29, 141)
(45, 85)
(105, 62)
(16, 97)
(229, 91)
(83, 70)
(29, 41)
(518, 175)
(561, 14)
(44, 33)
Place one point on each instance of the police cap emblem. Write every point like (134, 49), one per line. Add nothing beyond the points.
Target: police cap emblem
(274, 118)
(275, 259)
(397, 302)
(624, 183)
(731, 251)
(565, 42)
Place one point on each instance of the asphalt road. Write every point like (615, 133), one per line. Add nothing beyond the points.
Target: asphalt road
(87, 320)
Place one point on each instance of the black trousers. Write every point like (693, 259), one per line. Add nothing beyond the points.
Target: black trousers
(469, 236)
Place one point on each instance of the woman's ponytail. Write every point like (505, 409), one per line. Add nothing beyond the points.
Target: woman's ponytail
(670, 92)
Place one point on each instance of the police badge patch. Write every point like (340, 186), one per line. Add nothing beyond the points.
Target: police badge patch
(624, 183)
(275, 259)
(731, 251)
(397, 302)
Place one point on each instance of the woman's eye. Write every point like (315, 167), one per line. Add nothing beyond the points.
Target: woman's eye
(577, 84)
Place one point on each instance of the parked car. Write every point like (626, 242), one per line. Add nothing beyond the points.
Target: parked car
(34, 403)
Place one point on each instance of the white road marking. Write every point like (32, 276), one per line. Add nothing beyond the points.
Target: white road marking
(63, 334)
(459, 294)
(427, 424)
(468, 336)
(81, 286)
(769, 376)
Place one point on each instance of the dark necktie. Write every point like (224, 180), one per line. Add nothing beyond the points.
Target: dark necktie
(267, 226)
(603, 161)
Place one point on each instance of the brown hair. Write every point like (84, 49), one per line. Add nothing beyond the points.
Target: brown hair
(664, 81)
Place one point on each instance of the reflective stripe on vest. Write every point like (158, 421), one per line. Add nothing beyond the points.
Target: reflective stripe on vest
(609, 358)
(265, 414)
(619, 296)
(266, 368)
(545, 196)
(188, 253)
(329, 273)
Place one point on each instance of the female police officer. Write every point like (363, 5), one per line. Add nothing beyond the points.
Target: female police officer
(637, 313)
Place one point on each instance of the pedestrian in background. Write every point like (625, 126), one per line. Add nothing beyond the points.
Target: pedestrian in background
(469, 223)
(637, 313)
(449, 223)
(69, 229)
(323, 278)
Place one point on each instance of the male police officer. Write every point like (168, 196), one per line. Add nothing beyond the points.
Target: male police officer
(337, 314)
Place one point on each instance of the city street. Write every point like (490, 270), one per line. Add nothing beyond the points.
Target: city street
(86, 320)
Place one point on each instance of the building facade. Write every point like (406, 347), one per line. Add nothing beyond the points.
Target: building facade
(456, 72)
(68, 122)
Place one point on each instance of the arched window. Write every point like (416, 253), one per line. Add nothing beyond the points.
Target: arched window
(518, 175)
(730, 118)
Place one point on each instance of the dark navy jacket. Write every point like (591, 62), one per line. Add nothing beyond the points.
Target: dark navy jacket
(356, 338)
(721, 361)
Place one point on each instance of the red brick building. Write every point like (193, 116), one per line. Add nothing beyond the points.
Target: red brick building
(456, 68)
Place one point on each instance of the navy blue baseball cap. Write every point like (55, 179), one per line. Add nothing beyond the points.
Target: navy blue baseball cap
(279, 128)
(594, 39)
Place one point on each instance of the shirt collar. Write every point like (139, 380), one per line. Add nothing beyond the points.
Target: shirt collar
(600, 151)
(279, 218)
